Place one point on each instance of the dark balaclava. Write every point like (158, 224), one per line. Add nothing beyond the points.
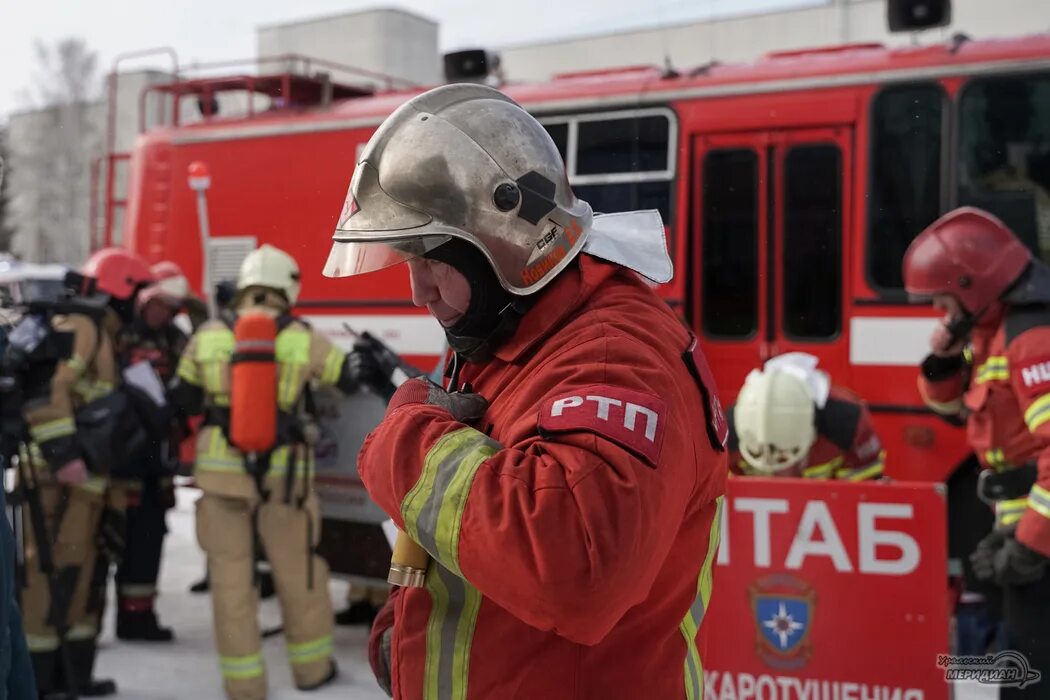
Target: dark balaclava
(493, 314)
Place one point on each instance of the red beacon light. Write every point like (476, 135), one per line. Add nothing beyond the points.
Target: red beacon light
(199, 177)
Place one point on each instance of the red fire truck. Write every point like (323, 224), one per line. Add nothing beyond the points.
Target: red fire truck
(790, 188)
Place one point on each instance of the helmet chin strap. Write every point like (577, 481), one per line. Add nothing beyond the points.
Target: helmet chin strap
(479, 348)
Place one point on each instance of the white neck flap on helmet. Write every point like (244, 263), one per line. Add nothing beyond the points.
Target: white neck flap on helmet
(634, 239)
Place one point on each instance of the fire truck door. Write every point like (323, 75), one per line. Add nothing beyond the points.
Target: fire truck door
(768, 270)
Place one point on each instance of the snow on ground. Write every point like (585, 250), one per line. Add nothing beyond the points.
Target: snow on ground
(189, 668)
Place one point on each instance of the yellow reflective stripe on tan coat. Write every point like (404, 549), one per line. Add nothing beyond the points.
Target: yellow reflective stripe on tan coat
(690, 625)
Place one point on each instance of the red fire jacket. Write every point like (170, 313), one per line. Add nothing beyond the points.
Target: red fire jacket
(1001, 386)
(574, 528)
(847, 446)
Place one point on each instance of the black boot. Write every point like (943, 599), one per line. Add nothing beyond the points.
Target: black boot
(360, 612)
(141, 626)
(324, 681)
(202, 586)
(266, 587)
(48, 678)
(83, 656)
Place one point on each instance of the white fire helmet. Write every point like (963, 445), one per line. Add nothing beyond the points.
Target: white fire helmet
(462, 161)
(774, 420)
(272, 268)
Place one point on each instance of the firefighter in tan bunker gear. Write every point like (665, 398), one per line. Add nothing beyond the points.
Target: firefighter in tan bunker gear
(287, 518)
(74, 489)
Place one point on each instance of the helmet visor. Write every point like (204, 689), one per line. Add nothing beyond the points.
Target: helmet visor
(349, 258)
(769, 459)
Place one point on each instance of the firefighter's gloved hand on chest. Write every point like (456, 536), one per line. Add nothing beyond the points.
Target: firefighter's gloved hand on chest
(1000, 557)
(464, 406)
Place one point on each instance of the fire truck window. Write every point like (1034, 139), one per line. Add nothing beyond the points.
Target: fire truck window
(730, 244)
(1004, 154)
(638, 144)
(560, 134)
(628, 196)
(905, 188)
(813, 242)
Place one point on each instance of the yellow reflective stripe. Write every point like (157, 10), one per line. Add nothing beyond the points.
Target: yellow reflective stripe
(333, 366)
(968, 355)
(288, 385)
(41, 642)
(433, 508)
(214, 348)
(1010, 511)
(450, 634)
(293, 347)
(1038, 412)
(189, 370)
(310, 652)
(292, 351)
(822, 471)
(994, 369)
(90, 390)
(219, 458)
(214, 345)
(77, 365)
(872, 471)
(81, 632)
(137, 590)
(60, 427)
(1039, 501)
(996, 459)
(94, 484)
(242, 667)
(690, 625)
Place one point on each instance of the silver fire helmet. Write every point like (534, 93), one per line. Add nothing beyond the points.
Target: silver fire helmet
(462, 161)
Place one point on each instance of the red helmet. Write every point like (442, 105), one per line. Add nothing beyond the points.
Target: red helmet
(967, 253)
(118, 272)
(171, 286)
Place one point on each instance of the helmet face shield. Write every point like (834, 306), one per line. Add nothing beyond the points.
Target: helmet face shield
(770, 459)
(349, 258)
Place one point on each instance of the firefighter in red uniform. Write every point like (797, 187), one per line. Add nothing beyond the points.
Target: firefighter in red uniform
(563, 490)
(789, 420)
(990, 364)
(150, 337)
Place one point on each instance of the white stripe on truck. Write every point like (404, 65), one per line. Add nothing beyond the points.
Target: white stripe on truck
(889, 341)
(405, 334)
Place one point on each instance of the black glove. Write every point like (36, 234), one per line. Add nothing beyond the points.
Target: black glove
(1000, 557)
(362, 368)
(1016, 564)
(983, 556)
(464, 406)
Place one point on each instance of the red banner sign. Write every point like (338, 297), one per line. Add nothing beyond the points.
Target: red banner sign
(829, 591)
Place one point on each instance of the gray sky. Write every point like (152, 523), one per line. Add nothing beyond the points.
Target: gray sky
(213, 30)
